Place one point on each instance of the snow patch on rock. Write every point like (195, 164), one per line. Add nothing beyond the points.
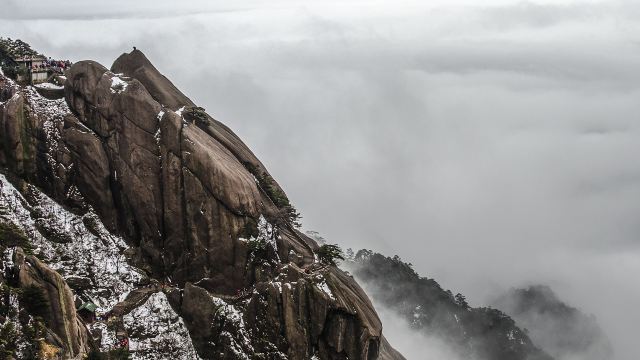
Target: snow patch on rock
(157, 332)
(241, 339)
(322, 285)
(267, 233)
(49, 86)
(79, 247)
(52, 114)
(118, 85)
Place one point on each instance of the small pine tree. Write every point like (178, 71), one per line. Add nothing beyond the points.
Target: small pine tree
(257, 245)
(291, 214)
(328, 254)
(287, 211)
(258, 250)
(197, 115)
(461, 301)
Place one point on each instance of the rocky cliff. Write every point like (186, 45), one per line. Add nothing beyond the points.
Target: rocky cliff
(130, 197)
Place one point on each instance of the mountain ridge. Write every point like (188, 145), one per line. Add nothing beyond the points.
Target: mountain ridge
(473, 333)
(202, 222)
(565, 331)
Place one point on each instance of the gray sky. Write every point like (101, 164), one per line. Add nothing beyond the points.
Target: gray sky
(490, 145)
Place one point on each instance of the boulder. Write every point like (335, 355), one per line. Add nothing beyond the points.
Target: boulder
(17, 136)
(61, 317)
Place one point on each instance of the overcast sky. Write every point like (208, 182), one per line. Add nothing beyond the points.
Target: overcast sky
(490, 145)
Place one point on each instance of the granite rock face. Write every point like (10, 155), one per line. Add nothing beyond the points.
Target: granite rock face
(388, 352)
(192, 201)
(136, 65)
(68, 332)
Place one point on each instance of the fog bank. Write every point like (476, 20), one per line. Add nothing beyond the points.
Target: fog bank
(490, 145)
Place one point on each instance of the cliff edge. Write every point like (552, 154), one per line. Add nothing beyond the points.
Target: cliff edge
(203, 222)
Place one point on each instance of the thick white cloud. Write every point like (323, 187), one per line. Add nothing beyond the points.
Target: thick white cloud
(490, 145)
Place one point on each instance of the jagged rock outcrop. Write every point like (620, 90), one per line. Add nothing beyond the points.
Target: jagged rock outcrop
(295, 315)
(80, 250)
(17, 133)
(198, 208)
(124, 122)
(176, 191)
(136, 65)
(70, 332)
(30, 140)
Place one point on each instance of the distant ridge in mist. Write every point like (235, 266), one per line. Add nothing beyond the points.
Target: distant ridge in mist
(563, 331)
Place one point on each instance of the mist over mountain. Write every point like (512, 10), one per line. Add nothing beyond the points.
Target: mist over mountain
(471, 333)
(562, 330)
(492, 144)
